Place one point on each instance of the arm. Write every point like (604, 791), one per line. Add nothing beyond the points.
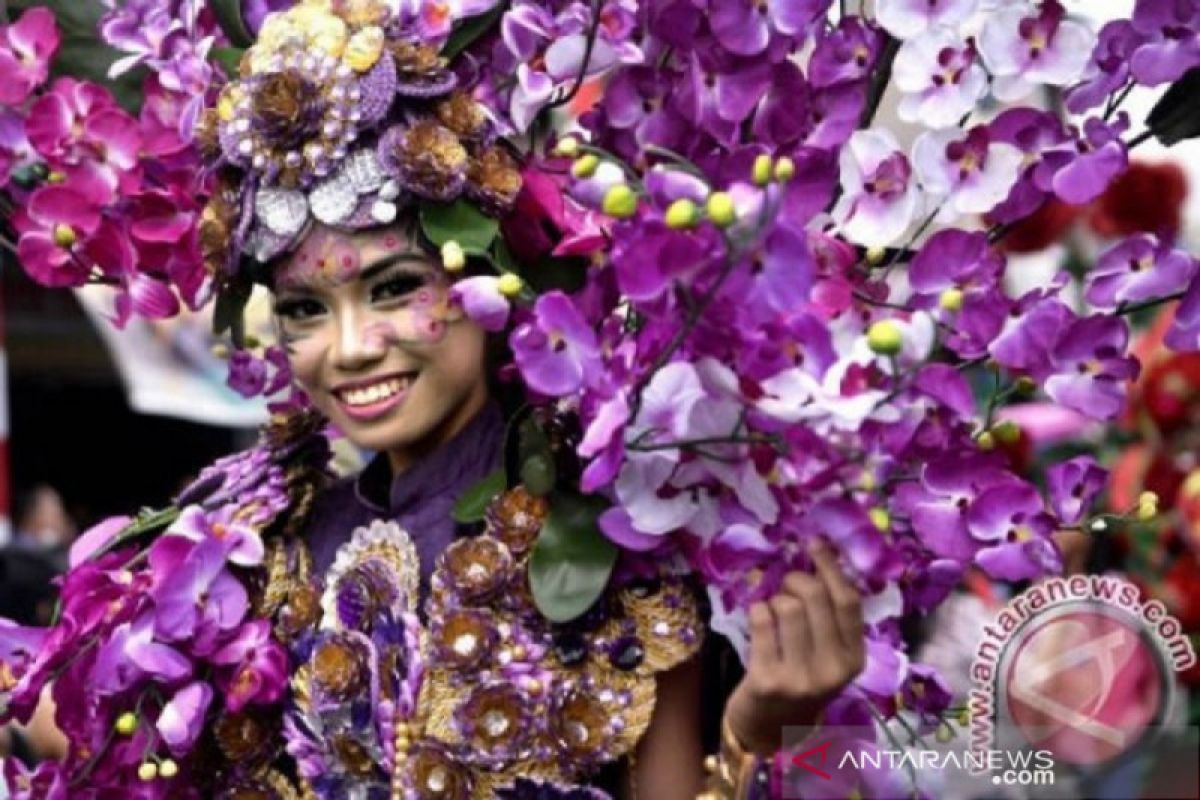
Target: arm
(668, 762)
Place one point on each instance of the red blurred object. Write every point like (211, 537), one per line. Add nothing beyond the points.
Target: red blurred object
(1147, 197)
(1042, 229)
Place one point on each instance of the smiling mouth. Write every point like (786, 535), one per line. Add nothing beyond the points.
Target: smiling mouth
(373, 395)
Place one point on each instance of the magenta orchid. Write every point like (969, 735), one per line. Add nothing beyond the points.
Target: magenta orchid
(26, 47)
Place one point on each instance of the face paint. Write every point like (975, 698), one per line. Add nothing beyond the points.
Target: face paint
(326, 258)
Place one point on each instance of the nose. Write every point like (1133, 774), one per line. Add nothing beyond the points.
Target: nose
(355, 349)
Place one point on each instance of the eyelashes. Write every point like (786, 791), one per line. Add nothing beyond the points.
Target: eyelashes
(396, 287)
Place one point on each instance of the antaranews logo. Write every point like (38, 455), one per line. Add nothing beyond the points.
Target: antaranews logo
(1080, 667)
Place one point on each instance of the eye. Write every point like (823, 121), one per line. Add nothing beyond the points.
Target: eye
(396, 287)
(299, 309)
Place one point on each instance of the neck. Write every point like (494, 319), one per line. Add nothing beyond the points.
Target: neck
(401, 460)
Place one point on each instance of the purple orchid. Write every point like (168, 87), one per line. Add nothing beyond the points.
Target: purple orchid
(182, 718)
(1091, 367)
(482, 301)
(1078, 170)
(906, 19)
(196, 598)
(556, 351)
(967, 174)
(132, 655)
(1108, 69)
(954, 259)
(1140, 268)
(242, 544)
(1014, 530)
(847, 53)
(1073, 485)
(745, 28)
(1172, 45)
(880, 197)
(255, 667)
(1022, 49)
(941, 78)
(26, 48)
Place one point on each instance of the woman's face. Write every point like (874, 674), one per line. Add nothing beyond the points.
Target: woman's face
(373, 340)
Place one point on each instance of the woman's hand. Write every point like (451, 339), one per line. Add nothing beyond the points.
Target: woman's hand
(806, 643)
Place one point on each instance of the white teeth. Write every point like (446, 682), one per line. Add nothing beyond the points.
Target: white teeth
(375, 393)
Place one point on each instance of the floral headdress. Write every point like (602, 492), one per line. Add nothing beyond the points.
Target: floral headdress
(342, 112)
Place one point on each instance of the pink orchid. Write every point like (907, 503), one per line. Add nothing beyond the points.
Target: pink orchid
(56, 229)
(26, 47)
(79, 122)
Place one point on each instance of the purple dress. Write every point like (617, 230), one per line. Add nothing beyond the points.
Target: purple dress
(420, 500)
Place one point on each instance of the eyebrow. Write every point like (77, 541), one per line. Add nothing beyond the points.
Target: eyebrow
(372, 270)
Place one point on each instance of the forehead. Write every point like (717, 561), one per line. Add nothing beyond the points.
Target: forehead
(328, 256)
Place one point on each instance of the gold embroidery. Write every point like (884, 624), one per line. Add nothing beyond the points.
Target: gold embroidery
(504, 693)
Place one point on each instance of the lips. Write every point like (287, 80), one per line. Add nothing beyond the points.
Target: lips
(371, 398)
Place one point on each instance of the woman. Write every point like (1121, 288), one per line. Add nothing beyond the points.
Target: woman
(277, 635)
(438, 431)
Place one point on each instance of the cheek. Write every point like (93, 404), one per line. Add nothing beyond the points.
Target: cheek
(305, 355)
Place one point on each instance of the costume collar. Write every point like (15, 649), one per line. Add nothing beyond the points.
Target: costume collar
(468, 455)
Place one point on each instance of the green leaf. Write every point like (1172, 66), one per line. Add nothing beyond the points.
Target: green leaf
(571, 561)
(538, 474)
(229, 59)
(461, 222)
(229, 17)
(473, 503)
(469, 30)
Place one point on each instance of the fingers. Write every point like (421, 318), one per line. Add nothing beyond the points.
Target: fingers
(764, 644)
(846, 603)
(796, 639)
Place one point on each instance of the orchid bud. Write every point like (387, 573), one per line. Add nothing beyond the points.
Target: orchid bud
(147, 771)
(509, 284)
(885, 338)
(126, 724)
(168, 768)
(761, 173)
(682, 214)
(1147, 506)
(1008, 432)
(964, 716)
(721, 210)
(453, 257)
(944, 733)
(785, 169)
(620, 201)
(1026, 385)
(951, 299)
(585, 165)
(875, 255)
(220, 350)
(986, 441)
(251, 341)
(881, 519)
(55, 177)
(567, 146)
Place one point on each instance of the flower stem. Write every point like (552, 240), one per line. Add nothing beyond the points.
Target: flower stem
(1133, 308)
(1139, 139)
(883, 73)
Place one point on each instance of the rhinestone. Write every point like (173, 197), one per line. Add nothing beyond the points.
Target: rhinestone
(495, 723)
(260, 161)
(606, 696)
(390, 190)
(364, 171)
(465, 645)
(331, 129)
(578, 733)
(293, 159)
(281, 211)
(662, 628)
(333, 200)
(571, 649)
(241, 125)
(245, 147)
(436, 782)
(627, 653)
